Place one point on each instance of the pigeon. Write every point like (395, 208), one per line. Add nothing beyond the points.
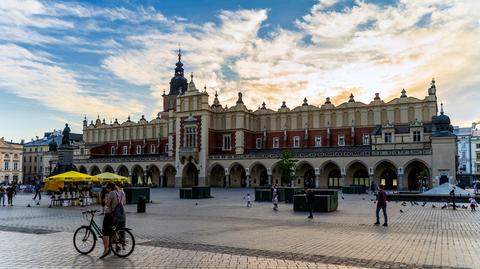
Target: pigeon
(433, 206)
(415, 203)
(411, 203)
(404, 204)
(372, 200)
(424, 203)
(401, 211)
(28, 205)
(196, 203)
(444, 206)
(343, 198)
(363, 198)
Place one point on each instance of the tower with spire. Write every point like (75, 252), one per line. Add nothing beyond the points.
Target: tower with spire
(178, 85)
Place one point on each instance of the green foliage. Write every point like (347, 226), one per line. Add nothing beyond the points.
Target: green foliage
(286, 166)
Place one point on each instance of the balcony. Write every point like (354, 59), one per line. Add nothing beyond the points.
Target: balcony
(188, 153)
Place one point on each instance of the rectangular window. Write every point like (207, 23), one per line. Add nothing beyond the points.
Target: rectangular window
(318, 141)
(366, 139)
(125, 150)
(416, 136)
(30, 158)
(276, 143)
(139, 149)
(478, 156)
(112, 150)
(478, 146)
(166, 148)
(35, 158)
(388, 138)
(15, 166)
(259, 143)
(227, 142)
(341, 140)
(152, 148)
(190, 137)
(5, 165)
(296, 141)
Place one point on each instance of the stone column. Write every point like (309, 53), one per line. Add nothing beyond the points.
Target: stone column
(161, 179)
(400, 183)
(227, 181)
(317, 181)
(269, 179)
(400, 179)
(248, 181)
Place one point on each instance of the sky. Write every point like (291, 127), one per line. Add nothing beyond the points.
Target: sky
(63, 60)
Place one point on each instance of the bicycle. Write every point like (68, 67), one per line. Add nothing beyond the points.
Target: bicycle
(122, 242)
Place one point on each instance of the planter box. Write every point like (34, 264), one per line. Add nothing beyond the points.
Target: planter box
(195, 193)
(354, 189)
(185, 193)
(201, 192)
(289, 192)
(321, 203)
(263, 195)
(132, 194)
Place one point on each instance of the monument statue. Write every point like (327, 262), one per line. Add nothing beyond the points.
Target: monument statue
(66, 135)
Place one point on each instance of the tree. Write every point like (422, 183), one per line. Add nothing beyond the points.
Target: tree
(286, 166)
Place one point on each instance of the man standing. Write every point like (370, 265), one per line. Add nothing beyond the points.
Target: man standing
(452, 197)
(309, 196)
(10, 193)
(38, 187)
(381, 205)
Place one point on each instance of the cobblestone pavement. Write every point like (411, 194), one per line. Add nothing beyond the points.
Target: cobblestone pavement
(420, 237)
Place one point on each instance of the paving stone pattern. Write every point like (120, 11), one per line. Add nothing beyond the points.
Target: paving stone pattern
(420, 237)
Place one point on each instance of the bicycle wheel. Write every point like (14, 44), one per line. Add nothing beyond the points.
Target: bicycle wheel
(122, 243)
(84, 240)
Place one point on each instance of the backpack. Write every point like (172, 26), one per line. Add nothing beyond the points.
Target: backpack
(118, 212)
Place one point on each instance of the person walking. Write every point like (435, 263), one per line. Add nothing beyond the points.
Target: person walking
(309, 196)
(10, 193)
(381, 205)
(2, 195)
(275, 201)
(38, 191)
(473, 203)
(249, 202)
(452, 198)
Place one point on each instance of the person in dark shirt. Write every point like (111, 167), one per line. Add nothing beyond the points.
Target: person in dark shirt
(309, 196)
(10, 192)
(381, 205)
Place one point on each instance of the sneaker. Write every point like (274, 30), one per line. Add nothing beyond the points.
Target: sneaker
(310, 217)
(385, 225)
(376, 223)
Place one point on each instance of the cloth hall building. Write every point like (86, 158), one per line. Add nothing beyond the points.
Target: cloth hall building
(402, 143)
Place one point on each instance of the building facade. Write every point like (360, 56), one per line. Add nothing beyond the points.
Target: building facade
(10, 162)
(40, 155)
(475, 149)
(464, 155)
(402, 143)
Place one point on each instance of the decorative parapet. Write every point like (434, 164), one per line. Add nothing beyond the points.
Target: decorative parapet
(121, 159)
(363, 151)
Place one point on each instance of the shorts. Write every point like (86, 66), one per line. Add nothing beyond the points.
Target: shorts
(107, 228)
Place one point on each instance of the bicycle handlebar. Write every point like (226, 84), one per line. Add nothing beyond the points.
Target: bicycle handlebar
(91, 212)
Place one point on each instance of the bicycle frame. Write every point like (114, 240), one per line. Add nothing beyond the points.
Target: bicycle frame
(95, 226)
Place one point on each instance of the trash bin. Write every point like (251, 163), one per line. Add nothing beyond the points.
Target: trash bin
(141, 204)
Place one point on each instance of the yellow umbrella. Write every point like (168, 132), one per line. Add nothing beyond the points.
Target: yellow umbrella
(111, 177)
(51, 185)
(73, 176)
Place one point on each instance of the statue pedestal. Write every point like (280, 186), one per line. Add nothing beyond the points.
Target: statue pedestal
(65, 159)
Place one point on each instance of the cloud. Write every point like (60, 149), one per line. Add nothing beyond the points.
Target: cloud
(362, 49)
(34, 76)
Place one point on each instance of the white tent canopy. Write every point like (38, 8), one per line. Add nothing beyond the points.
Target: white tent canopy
(445, 189)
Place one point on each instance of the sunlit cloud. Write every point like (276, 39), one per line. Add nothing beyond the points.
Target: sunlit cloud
(329, 52)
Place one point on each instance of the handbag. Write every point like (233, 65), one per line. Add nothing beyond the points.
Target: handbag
(118, 212)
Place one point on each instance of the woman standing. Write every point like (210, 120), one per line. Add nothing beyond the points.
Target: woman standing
(107, 228)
